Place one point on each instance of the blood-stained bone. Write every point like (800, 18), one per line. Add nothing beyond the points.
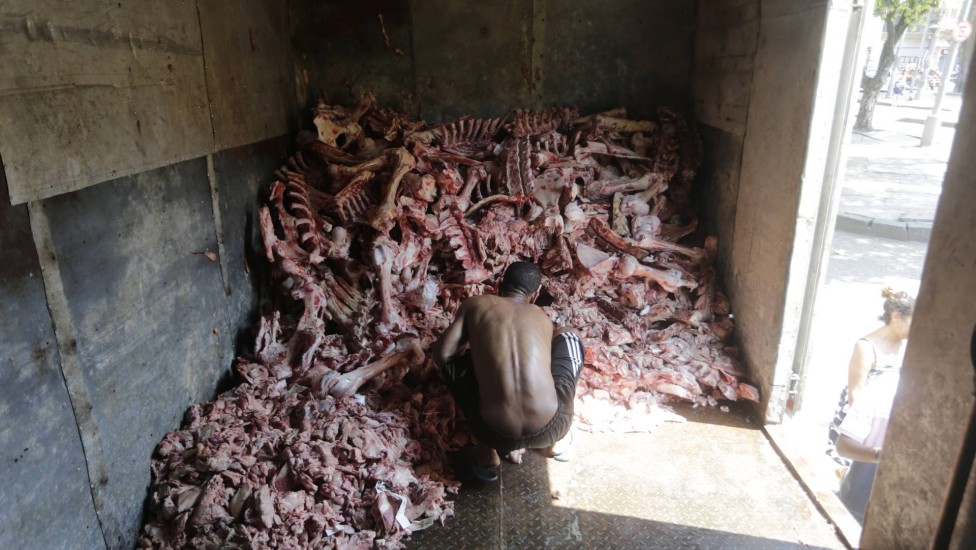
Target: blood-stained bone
(654, 244)
(407, 348)
(528, 123)
(670, 279)
(611, 150)
(355, 198)
(603, 232)
(605, 123)
(338, 127)
(607, 188)
(384, 252)
(385, 213)
(469, 136)
(330, 153)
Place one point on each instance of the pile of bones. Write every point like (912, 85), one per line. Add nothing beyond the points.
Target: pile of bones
(376, 230)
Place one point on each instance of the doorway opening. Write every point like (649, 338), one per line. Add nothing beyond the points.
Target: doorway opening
(879, 206)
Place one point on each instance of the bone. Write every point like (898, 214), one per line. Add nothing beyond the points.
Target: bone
(348, 384)
(421, 187)
(651, 243)
(607, 188)
(599, 228)
(659, 184)
(384, 252)
(330, 153)
(476, 174)
(619, 217)
(354, 199)
(371, 165)
(605, 123)
(600, 148)
(342, 300)
(383, 216)
(670, 279)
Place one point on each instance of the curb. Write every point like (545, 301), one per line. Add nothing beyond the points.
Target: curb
(886, 229)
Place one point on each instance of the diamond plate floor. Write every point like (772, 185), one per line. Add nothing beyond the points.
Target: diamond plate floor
(713, 482)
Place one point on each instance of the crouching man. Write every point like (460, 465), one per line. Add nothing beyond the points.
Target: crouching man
(516, 381)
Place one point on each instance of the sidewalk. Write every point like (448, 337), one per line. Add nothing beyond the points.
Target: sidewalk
(891, 184)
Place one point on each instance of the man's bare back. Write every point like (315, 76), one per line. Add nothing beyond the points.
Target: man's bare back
(510, 343)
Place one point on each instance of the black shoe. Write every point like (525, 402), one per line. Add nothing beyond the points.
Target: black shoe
(484, 474)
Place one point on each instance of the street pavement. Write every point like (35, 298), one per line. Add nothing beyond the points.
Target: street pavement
(891, 184)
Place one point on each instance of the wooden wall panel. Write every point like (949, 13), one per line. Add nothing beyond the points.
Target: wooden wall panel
(249, 72)
(96, 90)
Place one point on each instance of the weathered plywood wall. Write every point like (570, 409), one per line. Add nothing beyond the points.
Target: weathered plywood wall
(443, 59)
(249, 70)
(935, 393)
(91, 91)
(113, 322)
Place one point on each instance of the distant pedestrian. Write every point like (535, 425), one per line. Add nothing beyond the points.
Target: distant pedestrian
(898, 90)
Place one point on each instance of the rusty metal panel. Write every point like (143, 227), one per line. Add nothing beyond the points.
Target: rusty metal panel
(150, 315)
(97, 90)
(243, 177)
(472, 58)
(249, 70)
(44, 497)
(600, 55)
(343, 49)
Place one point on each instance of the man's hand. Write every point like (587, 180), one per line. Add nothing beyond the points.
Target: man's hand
(448, 345)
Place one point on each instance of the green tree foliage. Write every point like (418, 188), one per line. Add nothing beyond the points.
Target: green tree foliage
(898, 16)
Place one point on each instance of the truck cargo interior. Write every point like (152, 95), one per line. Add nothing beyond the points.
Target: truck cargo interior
(221, 219)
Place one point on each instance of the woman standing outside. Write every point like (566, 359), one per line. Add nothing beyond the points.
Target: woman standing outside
(861, 421)
(875, 354)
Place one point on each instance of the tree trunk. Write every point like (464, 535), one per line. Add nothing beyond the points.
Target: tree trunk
(871, 86)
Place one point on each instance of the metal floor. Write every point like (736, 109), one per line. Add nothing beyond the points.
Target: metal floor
(713, 482)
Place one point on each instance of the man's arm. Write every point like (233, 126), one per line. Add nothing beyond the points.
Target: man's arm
(449, 343)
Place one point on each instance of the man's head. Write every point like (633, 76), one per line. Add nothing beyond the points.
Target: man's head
(522, 278)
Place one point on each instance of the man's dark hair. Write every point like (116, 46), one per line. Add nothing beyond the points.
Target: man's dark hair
(521, 277)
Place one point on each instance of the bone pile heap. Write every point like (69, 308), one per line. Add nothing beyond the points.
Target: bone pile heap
(376, 230)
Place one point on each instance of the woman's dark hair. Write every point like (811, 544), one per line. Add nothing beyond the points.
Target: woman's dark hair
(901, 302)
(521, 277)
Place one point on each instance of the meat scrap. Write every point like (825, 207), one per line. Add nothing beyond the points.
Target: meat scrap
(376, 231)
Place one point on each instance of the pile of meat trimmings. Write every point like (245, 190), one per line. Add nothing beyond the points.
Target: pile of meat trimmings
(375, 232)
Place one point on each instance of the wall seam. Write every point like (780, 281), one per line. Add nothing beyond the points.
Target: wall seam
(206, 84)
(536, 73)
(413, 63)
(218, 223)
(730, 284)
(71, 373)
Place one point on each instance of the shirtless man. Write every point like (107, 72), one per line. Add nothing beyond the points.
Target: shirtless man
(516, 383)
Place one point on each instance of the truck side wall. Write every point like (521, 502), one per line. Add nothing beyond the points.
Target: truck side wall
(138, 139)
(445, 59)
